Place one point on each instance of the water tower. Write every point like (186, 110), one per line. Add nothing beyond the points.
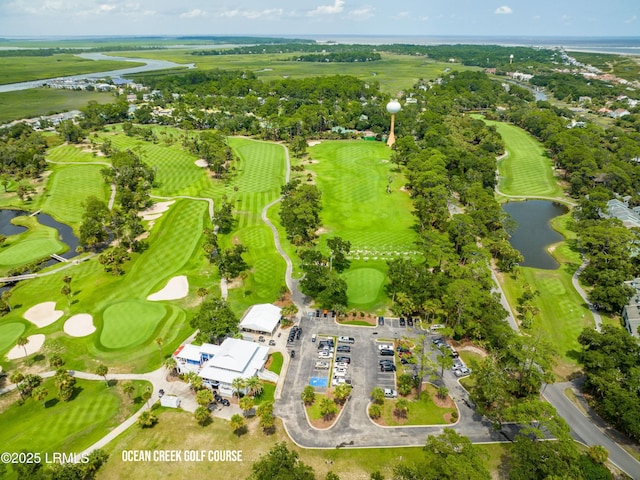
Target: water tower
(393, 107)
(510, 59)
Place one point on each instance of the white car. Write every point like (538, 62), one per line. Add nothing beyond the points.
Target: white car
(324, 354)
(322, 365)
(342, 365)
(390, 393)
(462, 371)
(385, 346)
(346, 339)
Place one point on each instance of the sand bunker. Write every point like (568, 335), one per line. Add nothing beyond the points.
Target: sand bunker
(34, 345)
(202, 163)
(152, 212)
(43, 314)
(312, 143)
(177, 287)
(79, 325)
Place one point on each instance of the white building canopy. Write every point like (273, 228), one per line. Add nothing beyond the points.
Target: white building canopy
(262, 318)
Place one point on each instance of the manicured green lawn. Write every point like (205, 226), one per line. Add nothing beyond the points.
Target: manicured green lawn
(276, 362)
(36, 102)
(68, 188)
(267, 395)
(22, 69)
(313, 410)
(353, 177)
(130, 323)
(526, 170)
(66, 426)
(421, 412)
(9, 333)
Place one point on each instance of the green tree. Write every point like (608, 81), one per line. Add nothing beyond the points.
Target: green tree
(55, 361)
(339, 250)
(401, 407)
(377, 395)
(328, 408)
(267, 422)
(237, 423)
(375, 411)
(16, 378)
(308, 395)
(283, 463)
(102, 370)
(246, 404)
(444, 360)
(215, 320)
(341, 393)
(238, 386)
(23, 342)
(147, 419)
(113, 259)
(66, 288)
(230, 261)
(265, 408)
(254, 386)
(128, 388)
(39, 394)
(146, 395)
(202, 415)
(65, 384)
(598, 454)
(204, 397)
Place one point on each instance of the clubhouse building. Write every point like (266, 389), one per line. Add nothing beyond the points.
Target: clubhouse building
(263, 319)
(219, 365)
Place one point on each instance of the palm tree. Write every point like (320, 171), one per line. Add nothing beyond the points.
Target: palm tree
(171, 365)
(308, 395)
(147, 419)
(6, 295)
(15, 378)
(328, 407)
(246, 404)
(39, 394)
(146, 395)
(237, 423)
(202, 415)
(253, 385)
(159, 342)
(267, 421)
(443, 392)
(202, 293)
(375, 411)
(55, 361)
(128, 388)
(402, 407)
(22, 342)
(102, 370)
(204, 397)
(377, 395)
(237, 384)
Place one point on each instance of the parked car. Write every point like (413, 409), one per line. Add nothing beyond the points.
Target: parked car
(343, 359)
(385, 346)
(402, 322)
(261, 338)
(293, 353)
(462, 371)
(457, 363)
(439, 342)
(212, 406)
(410, 321)
(346, 340)
(324, 354)
(342, 365)
(387, 367)
(343, 348)
(381, 321)
(390, 393)
(322, 365)
(385, 361)
(313, 337)
(436, 327)
(225, 402)
(272, 343)
(386, 353)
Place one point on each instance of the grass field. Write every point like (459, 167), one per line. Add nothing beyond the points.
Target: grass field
(393, 72)
(421, 412)
(66, 426)
(526, 170)
(36, 102)
(130, 323)
(36, 242)
(9, 333)
(353, 177)
(179, 428)
(68, 188)
(276, 362)
(23, 69)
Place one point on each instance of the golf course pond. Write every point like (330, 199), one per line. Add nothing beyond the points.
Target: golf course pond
(65, 232)
(534, 233)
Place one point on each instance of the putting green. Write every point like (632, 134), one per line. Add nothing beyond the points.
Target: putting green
(28, 251)
(130, 323)
(9, 333)
(363, 285)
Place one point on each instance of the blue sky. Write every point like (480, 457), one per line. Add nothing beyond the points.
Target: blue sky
(316, 17)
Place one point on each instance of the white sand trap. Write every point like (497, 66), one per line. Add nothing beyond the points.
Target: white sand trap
(152, 212)
(43, 314)
(79, 325)
(177, 287)
(202, 163)
(34, 345)
(312, 143)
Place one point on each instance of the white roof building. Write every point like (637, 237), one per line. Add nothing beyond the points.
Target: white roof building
(219, 365)
(261, 318)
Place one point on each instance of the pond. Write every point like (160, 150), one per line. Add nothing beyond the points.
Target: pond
(65, 232)
(534, 234)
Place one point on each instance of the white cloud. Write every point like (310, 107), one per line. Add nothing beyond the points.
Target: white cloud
(337, 7)
(402, 15)
(504, 10)
(423, 19)
(631, 20)
(362, 13)
(196, 12)
(252, 14)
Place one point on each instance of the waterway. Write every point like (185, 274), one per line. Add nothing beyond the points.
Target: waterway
(149, 66)
(534, 233)
(65, 232)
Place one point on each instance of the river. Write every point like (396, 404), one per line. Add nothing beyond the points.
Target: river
(149, 66)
